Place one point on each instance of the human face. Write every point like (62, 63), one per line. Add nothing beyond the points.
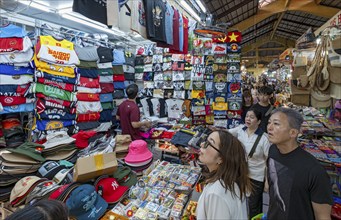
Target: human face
(279, 130)
(263, 98)
(210, 155)
(247, 99)
(251, 120)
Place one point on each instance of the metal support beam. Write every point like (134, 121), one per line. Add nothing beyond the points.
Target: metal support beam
(280, 17)
(278, 6)
(260, 26)
(300, 23)
(266, 32)
(289, 32)
(263, 40)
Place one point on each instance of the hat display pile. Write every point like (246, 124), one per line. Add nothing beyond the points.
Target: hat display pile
(139, 156)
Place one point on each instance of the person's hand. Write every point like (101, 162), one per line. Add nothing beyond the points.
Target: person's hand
(148, 124)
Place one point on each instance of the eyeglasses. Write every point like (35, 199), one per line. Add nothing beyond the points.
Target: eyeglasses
(207, 143)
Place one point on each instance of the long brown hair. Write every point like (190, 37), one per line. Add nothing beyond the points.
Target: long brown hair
(234, 168)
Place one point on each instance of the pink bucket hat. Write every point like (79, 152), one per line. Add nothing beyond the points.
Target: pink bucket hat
(138, 152)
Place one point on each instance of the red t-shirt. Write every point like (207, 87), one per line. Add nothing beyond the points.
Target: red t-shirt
(107, 87)
(56, 101)
(89, 82)
(118, 78)
(185, 50)
(129, 112)
(175, 47)
(11, 44)
(64, 86)
(88, 117)
(12, 100)
(89, 97)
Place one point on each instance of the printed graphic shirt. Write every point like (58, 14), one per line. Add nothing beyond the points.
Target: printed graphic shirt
(53, 92)
(13, 100)
(64, 86)
(174, 107)
(13, 44)
(138, 20)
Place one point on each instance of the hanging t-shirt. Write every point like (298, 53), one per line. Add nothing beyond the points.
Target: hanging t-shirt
(175, 46)
(17, 59)
(174, 107)
(169, 23)
(145, 107)
(12, 30)
(95, 10)
(15, 44)
(185, 48)
(148, 8)
(87, 53)
(156, 106)
(159, 12)
(181, 33)
(138, 18)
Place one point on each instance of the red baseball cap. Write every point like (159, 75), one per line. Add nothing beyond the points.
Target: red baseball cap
(110, 190)
(58, 192)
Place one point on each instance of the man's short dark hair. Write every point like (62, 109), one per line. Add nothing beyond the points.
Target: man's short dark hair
(267, 90)
(294, 117)
(132, 91)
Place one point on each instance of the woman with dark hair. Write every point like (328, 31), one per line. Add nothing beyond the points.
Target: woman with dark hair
(256, 144)
(224, 196)
(246, 103)
(41, 210)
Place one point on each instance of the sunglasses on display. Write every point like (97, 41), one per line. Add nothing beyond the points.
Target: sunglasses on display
(207, 143)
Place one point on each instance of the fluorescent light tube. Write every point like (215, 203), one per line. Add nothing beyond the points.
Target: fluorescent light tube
(36, 5)
(201, 6)
(110, 31)
(190, 10)
(64, 10)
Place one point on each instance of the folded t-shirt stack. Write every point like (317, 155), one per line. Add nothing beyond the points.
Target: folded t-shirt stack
(89, 106)
(119, 79)
(55, 84)
(15, 73)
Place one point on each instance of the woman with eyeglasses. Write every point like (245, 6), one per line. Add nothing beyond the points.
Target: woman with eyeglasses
(224, 196)
(256, 144)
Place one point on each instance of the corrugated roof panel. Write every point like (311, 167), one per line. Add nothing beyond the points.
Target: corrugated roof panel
(331, 3)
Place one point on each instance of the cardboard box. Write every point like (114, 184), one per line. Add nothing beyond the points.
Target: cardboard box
(300, 99)
(87, 168)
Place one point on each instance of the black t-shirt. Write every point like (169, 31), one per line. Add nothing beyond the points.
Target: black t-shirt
(265, 115)
(295, 181)
(105, 55)
(95, 10)
(148, 8)
(159, 13)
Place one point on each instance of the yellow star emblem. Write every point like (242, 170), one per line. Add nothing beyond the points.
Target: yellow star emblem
(234, 47)
(233, 37)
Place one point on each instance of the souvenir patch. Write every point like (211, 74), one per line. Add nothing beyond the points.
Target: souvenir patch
(233, 48)
(177, 65)
(219, 77)
(220, 87)
(198, 102)
(220, 97)
(209, 119)
(220, 106)
(234, 88)
(157, 67)
(179, 85)
(198, 85)
(220, 58)
(198, 94)
(219, 48)
(157, 58)
(158, 50)
(178, 76)
(158, 93)
(188, 66)
(219, 68)
(168, 85)
(209, 99)
(233, 67)
(237, 77)
(209, 70)
(233, 123)
(209, 60)
(234, 105)
(233, 58)
(179, 94)
(234, 114)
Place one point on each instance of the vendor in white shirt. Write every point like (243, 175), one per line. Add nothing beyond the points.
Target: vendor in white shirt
(256, 144)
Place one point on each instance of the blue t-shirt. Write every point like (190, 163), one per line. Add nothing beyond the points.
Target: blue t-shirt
(181, 33)
(28, 107)
(61, 79)
(89, 73)
(107, 97)
(169, 23)
(53, 125)
(56, 115)
(12, 30)
(15, 70)
(118, 57)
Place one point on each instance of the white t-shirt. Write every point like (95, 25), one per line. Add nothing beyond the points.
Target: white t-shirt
(19, 59)
(125, 16)
(216, 203)
(145, 107)
(88, 107)
(138, 18)
(15, 79)
(156, 106)
(174, 107)
(57, 55)
(81, 89)
(257, 162)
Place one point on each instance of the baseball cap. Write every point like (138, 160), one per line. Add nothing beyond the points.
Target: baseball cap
(84, 203)
(29, 149)
(125, 176)
(55, 194)
(110, 190)
(42, 189)
(58, 138)
(23, 187)
(63, 177)
(82, 138)
(138, 152)
(50, 169)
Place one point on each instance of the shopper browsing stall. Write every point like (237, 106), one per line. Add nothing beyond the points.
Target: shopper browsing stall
(264, 106)
(256, 145)
(224, 196)
(299, 187)
(129, 114)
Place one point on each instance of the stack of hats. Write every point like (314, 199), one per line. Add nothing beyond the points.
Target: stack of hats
(23, 188)
(122, 145)
(63, 192)
(42, 191)
(13, 131)
(111, 191)
(59, 146)
(85, 203)
(139, 156)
